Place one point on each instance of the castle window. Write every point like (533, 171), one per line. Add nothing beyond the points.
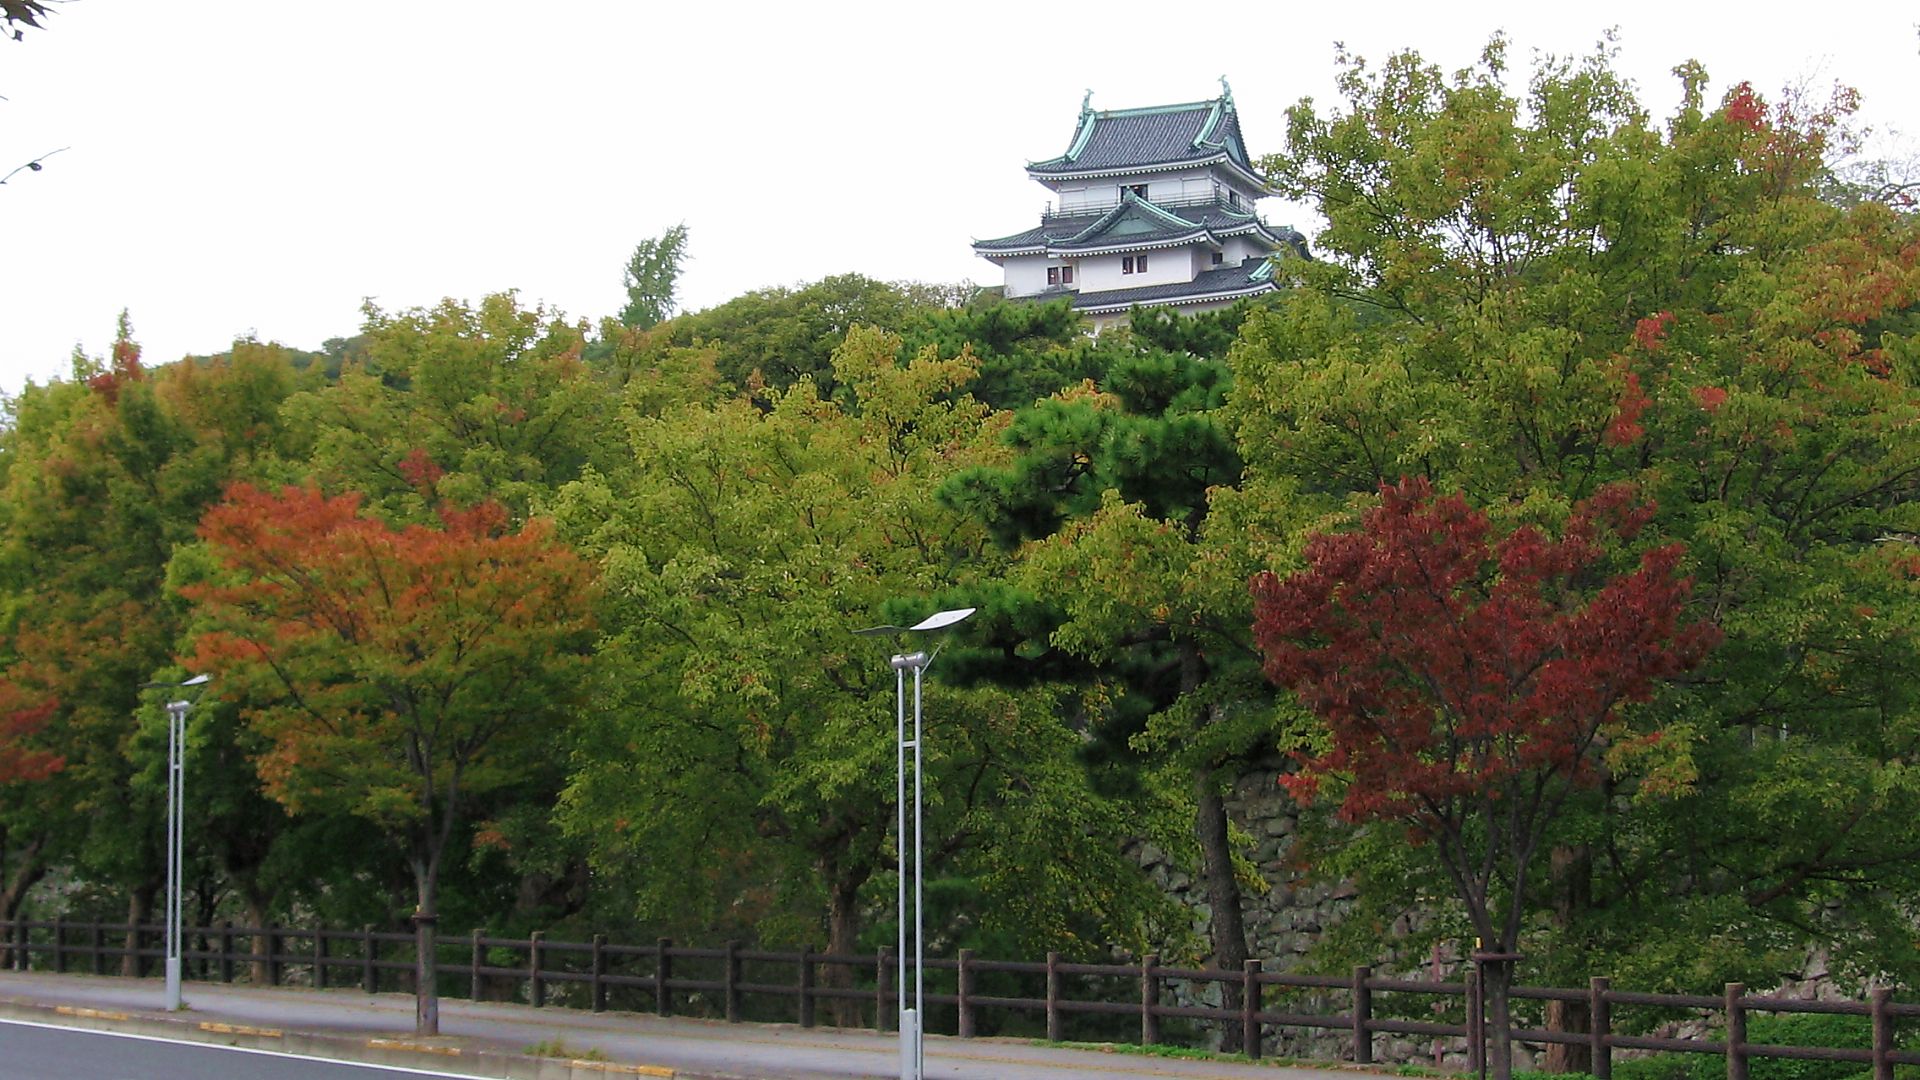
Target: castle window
(1053, 275)
(1066, 274)
(1219, 257)
(1140, 264)
(1126, 264)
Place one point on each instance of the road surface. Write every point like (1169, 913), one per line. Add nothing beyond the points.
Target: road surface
(32, 1051)
(493, 1039)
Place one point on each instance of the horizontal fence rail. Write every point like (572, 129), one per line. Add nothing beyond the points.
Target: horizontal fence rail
(740, 984)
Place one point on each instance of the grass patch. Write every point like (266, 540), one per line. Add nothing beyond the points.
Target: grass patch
(556, 1048)
(1188, 1053)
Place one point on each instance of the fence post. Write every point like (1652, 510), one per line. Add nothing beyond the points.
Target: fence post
(476, 959)
(662, 978)
(730, 982)
(1149, 999)
(963, 993)
(1476, 1039)
(1250, 1010)
(369, 948)
(273, 955)
(319, 958)
(1600, 1026)
(599, 983)
(59, 944)
(94, 946)
(536, 986)
(226, 950)
(882, 987)
(1362, 1016)
(1878, 1001)
(1053, 997)
(806, 985)
(1736, 1032)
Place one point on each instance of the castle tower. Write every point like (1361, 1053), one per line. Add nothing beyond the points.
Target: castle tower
(1155, 206)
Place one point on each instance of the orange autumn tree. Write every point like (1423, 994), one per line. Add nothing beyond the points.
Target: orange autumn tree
(397, 674)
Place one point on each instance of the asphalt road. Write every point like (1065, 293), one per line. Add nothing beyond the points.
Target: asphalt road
(30, 1051)
(377, 1029)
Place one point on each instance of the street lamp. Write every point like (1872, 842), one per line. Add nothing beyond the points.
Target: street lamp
(176, 794)
(912, 1044)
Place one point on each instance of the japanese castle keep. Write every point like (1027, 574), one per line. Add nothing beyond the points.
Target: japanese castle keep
(1156, 207)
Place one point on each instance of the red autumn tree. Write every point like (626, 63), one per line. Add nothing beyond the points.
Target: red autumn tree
(21, 718)
(397, 673)
(1469, 685)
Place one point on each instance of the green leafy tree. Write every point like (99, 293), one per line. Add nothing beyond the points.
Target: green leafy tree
(653, 276)
(102, 477)
(1527, 298)
(492, 401)
(1125, 583)
(771, 338)
(743, 752)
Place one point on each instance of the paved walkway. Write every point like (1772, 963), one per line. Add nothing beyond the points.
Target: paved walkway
(492, 1039)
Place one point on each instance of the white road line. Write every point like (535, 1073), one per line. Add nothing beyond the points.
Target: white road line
(240, 1049)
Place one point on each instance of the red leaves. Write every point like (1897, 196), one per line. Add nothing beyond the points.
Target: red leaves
(1446, 666)
(21, 718)
(420, 470)
(1624, 429)
(1650, 333)
(1744, 108)
(126, 368)
(1709, 398)
(357, 641)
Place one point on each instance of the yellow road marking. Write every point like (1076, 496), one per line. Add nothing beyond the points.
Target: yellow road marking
(239, 1029)
(91, 1014)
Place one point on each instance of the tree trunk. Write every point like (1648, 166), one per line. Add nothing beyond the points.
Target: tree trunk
(13, 896)
(1571, 871)
(258, 971)
(139, 910)
(1227, 928)
(843, 929)
(426, 968)
(1499, 1020)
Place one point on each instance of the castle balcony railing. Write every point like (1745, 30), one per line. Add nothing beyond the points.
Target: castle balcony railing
(1091, 209)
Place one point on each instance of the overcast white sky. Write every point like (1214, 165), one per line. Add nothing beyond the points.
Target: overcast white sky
(261, 166)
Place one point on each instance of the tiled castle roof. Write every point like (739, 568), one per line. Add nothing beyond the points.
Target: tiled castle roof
(1162, 136)
(1135, 222)
(1252, 278)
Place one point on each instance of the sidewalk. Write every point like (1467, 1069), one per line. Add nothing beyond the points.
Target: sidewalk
(493, 1039)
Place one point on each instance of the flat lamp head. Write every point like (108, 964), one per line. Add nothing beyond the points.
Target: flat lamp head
(939, 620)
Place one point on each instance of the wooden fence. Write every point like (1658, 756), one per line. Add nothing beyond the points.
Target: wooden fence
(787, 986)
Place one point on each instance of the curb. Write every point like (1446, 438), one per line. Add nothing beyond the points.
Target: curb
(354, 1049)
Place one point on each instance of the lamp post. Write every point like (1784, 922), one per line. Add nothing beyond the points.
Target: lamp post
(176, 798)
(912, 1042)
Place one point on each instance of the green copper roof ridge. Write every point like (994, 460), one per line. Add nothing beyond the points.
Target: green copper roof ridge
(1206, 129)
(1156, 110)
(1099, 224)
(1164, 214)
